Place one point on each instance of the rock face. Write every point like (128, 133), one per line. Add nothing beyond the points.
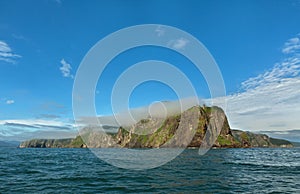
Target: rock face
(190, 129)
(194, 127)
(248, 139)
(54, 143)
(94, 138)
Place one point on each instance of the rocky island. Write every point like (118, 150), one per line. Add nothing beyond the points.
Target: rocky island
(174, 131)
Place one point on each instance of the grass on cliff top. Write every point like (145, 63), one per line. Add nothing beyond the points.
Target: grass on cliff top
(77, 142)
(223, 141)
(245, 137)
(279, 142)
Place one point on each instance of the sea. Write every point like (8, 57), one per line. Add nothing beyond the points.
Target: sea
(252, 170)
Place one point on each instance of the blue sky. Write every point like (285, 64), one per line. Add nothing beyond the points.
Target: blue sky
(43, 42)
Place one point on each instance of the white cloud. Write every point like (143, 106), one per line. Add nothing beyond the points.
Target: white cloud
(10, 101)
(292, 45)
(271, 100)
(290, 67)
(179, 43)
(157, 110)
(34, 122)
(36, 128)
(266, 107)
(6, 53)
(66, 69)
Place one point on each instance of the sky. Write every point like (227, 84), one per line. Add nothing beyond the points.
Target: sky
(256, 45)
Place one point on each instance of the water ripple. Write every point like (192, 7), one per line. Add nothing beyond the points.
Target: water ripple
(219, 171)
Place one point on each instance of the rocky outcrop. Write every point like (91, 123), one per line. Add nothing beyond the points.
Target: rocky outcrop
(195, 127)
(54, 143)
(95, 138)
(192, 128)
(248, 139)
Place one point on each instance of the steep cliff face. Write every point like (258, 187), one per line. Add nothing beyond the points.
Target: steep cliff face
(95, 138)
(193, 127)
(54, 143)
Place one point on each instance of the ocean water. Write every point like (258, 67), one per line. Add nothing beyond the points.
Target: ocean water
(258, 170)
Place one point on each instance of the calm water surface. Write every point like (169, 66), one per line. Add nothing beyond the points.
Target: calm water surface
(219, 171)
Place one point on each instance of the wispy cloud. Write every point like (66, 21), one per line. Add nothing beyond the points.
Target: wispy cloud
(35, 128)
(48, 116)
(6, 53)
(179, 44)
(34, 122)
(271, 100)
(292, 45)
(292, 135)
(19, 37)
(266, 107)
(289, 67)
(66, 69)
(126, 118)
(10, 101)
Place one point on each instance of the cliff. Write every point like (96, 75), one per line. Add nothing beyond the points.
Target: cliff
(248, 139)
(54, 143)
(192, 128)
(169, 134)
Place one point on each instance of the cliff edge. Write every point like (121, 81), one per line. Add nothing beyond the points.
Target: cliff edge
(194, 127)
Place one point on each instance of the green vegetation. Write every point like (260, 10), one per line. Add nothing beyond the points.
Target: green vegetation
(279, 141)
(143, 121)
(166, 132)
(77, 142)
(245, 137)
(223, 141)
